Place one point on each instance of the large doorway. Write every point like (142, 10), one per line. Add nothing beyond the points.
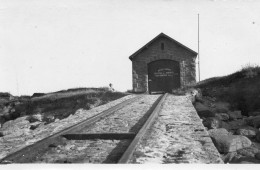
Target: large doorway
(163, 76)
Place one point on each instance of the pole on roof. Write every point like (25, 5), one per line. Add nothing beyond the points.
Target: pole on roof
(199, 45)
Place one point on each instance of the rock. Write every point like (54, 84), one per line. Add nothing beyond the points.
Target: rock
(225, 126)
(35, 125)
(249, 120)
(52, 145)
(236, 124)
(258, 137)
(203, 111)
(15, 126)
(246, 160)
(14, 115)
(222, 116)
(253, 121)
(178, 92)
(229, 157)
(212, 123)
(221, 107)
(191, 96)
(2, 121)
(235, 115)
(7, 124)
(250, 151)
(255, 113)
(247, 131)
(217, 132)
(198, 95)
(21, 121)
(6, 110)
(49, 118)
(230, 143)
(257, 155)
(38, 117)
(35, 118)
(7, 116)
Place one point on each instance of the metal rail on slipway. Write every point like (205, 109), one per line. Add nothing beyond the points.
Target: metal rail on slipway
(155, 109)
(35, 150)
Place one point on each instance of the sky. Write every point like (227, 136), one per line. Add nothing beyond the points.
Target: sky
(47, 45)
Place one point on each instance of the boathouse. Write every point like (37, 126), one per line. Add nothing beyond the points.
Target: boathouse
(163, 64)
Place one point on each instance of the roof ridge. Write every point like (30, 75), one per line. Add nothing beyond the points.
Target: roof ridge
(159, 35)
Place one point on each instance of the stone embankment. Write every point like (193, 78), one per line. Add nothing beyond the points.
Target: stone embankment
(177, 136)
(236, 136)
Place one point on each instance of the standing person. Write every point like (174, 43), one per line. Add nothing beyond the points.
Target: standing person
(111, 87)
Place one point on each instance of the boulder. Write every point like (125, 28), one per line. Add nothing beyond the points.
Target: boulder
(21, 121)
(255, 113)
(212, 123)
(229, 157)
(14, 115)
(253, 121)
(194, 94)
(35, 118)
(246, 160)
(221, 107)
(257, 155)
(250, 151)
(217, 132)
(225, 126)
(258, 137)
(235, 115)
(222, 116)
(2, 121)
(15, 126)
(7, 124)
(35, 125)
(203, 111)
(49, 118)
(7, 116)
(230, 143)
(198, 95)
(247, 131)
(236, 124)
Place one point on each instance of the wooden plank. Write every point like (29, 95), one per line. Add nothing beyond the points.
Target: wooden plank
(154, 112)
(107, 136)
(29, 152)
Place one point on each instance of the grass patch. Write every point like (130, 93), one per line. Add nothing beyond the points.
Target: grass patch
(241, 88)
(63, 103)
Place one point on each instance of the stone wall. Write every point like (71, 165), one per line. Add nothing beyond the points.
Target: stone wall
(172, 51)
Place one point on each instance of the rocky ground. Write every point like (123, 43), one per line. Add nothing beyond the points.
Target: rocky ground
(26, 130)
(236, 136)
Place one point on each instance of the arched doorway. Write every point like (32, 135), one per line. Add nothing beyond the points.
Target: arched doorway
(163, 75)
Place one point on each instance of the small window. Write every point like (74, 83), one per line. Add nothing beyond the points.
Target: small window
(162, 46)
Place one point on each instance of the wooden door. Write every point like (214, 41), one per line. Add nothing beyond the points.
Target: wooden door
(163, 76)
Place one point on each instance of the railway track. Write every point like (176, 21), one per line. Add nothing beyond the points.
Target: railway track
(109, 137)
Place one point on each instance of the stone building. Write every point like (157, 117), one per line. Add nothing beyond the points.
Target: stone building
(163, 64)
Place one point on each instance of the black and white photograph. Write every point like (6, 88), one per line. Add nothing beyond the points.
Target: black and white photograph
(165, 83)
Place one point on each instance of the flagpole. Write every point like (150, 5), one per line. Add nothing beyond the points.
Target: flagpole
(199, 45)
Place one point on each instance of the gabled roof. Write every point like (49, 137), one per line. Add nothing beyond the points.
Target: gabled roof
(154, 39)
